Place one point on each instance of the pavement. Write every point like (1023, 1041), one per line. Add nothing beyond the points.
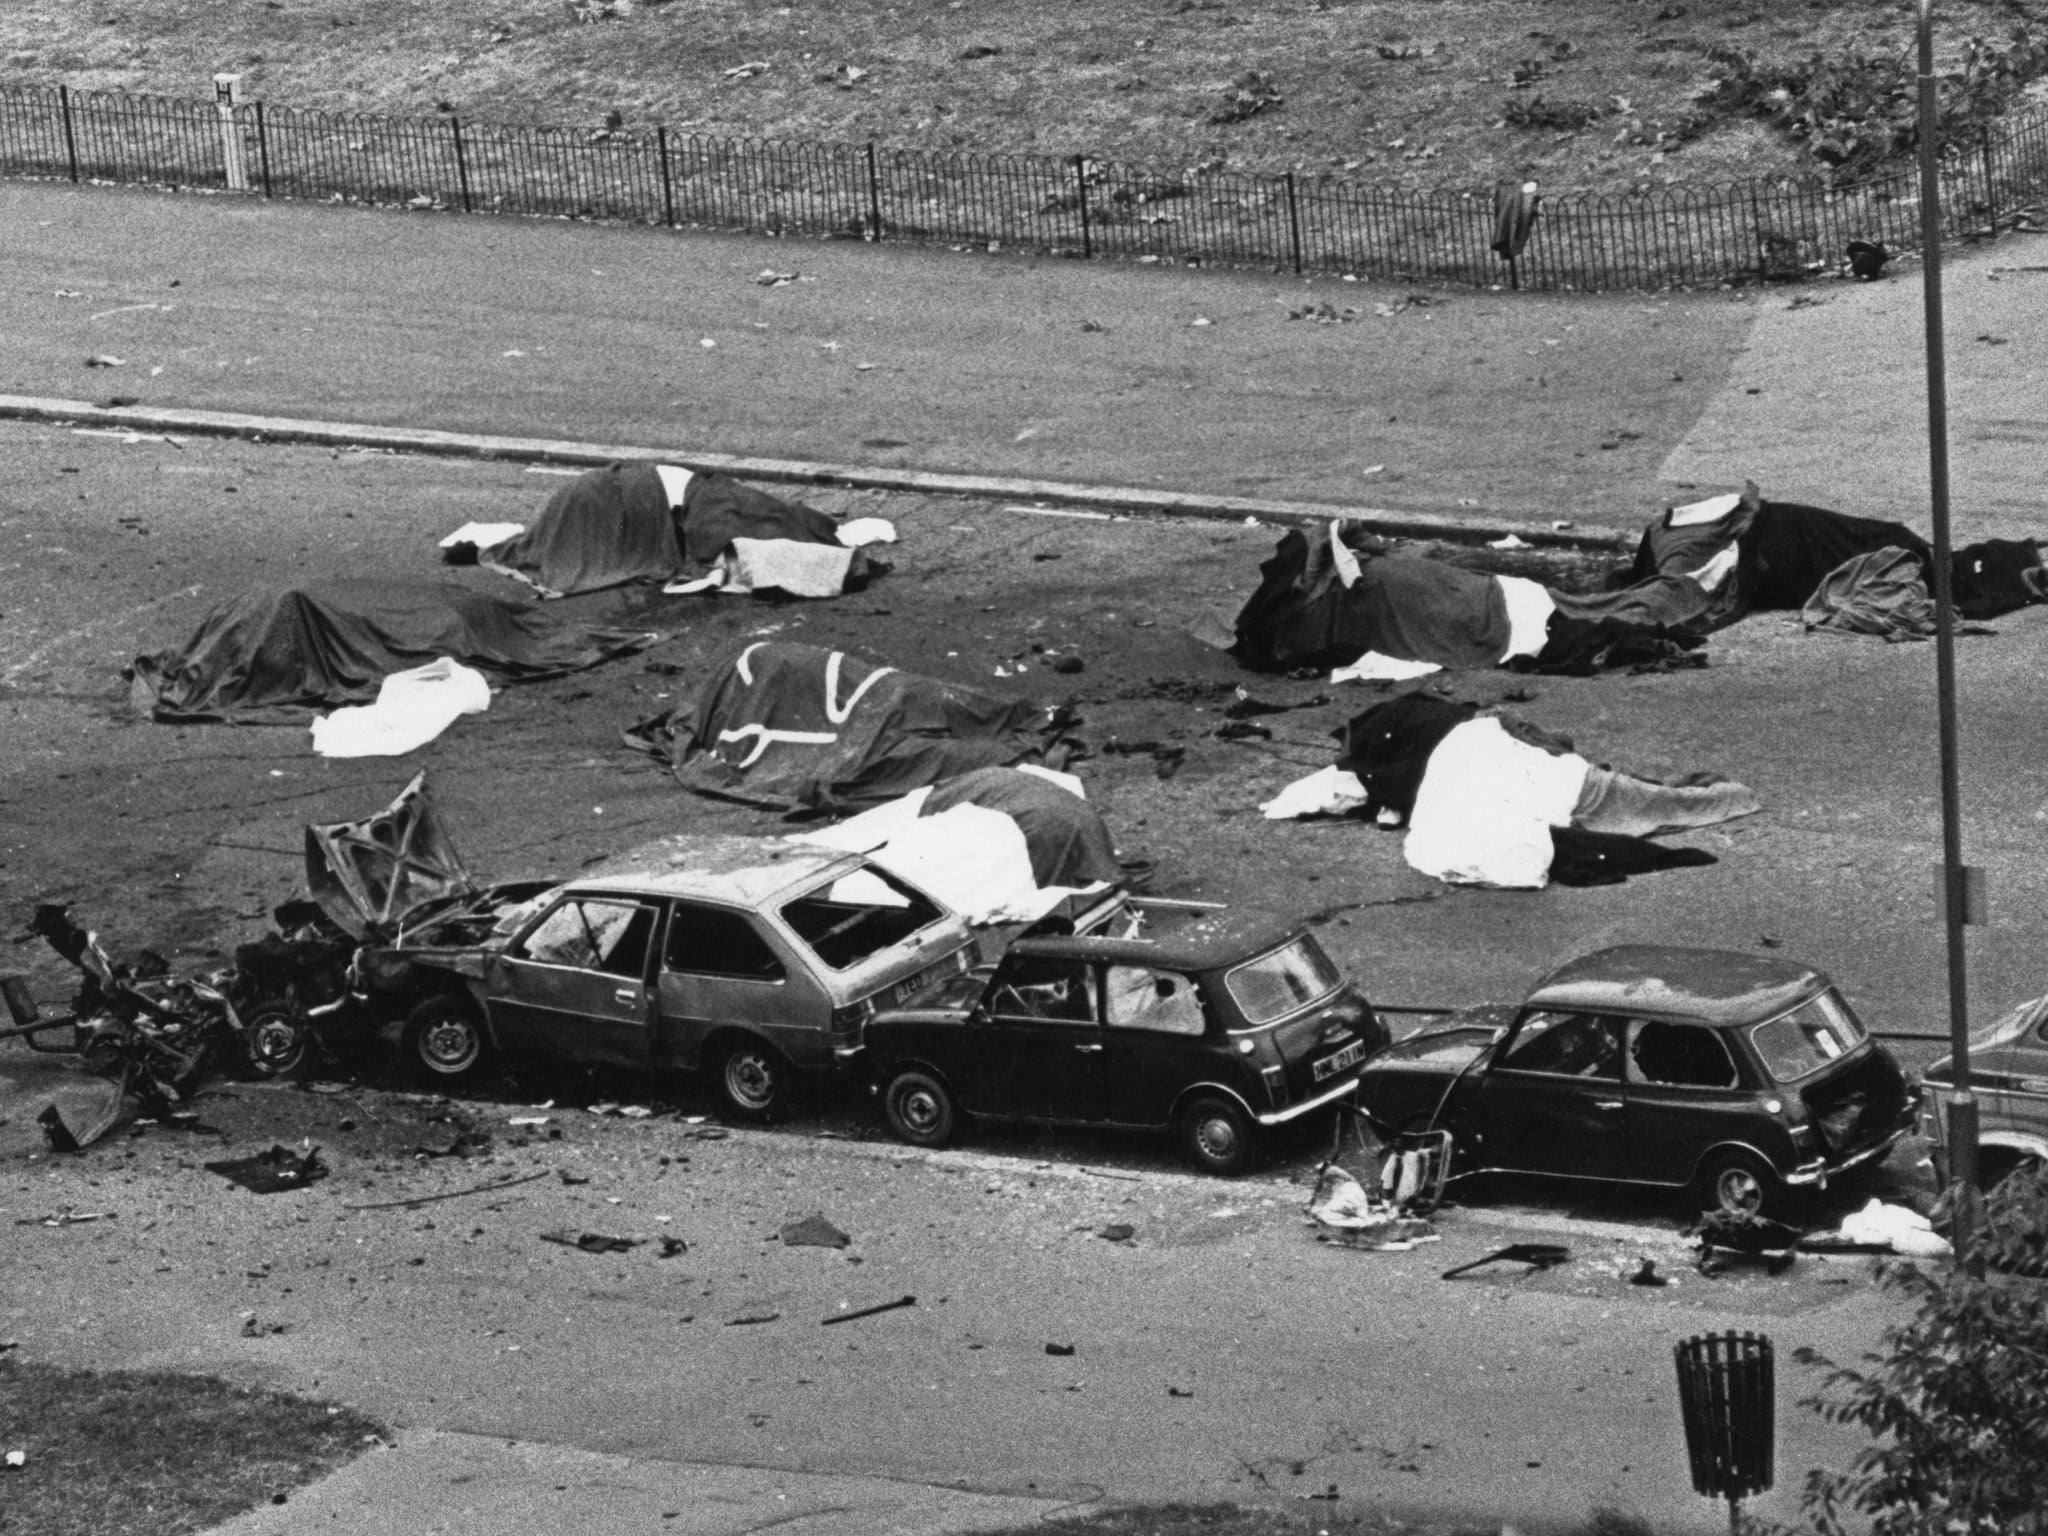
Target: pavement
(975, 365)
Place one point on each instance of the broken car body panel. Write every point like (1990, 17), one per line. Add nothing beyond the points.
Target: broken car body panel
(2009, 1076)
(1642, 1064)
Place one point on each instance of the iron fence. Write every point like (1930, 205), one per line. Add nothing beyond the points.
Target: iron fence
(1679, 236)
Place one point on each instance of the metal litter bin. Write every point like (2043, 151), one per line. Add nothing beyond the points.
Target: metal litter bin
(1727, 1391)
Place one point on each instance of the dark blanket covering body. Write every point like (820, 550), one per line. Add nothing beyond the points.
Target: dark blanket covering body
(614, 526)
(273, 656)
(1996, 576)
(1067, 838)
(789, 726)
(1417, 610)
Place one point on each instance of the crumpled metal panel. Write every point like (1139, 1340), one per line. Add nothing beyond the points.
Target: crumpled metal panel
(368, 874)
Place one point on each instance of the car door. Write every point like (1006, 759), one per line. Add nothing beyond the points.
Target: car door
(1551, 1101)
(1044, 1048)
(1685, 1095)
(574, 985)
(723, 966)
(1152, 1038)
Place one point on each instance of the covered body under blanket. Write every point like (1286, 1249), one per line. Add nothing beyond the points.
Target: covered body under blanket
(1326, 600)
(630, 523)
(790, 726)
(272, 657)
(1491, 800)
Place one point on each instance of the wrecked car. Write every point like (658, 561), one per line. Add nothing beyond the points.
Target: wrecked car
(746, 959)
(1211, 1023)
(2009, 1076)
(1740, 1077)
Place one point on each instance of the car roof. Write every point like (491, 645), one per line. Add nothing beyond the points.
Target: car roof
(1715, 986)
(749, 871)
(1204, 942)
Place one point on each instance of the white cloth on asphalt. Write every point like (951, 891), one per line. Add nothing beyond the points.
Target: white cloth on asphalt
(483, 535)
(784, 565)
(1486, 806)
(1712, 510)
(856, 531)
(1373, 667)
(412, 708)
(973, 859)
(675, 483)
(1906, 1231)
(1530, 606)
(1327, 792)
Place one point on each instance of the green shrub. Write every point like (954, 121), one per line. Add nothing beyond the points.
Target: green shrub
(1957, 1396)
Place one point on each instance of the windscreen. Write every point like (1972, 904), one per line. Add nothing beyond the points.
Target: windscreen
(857, 916)
(1283, 982)
(1799, 1043)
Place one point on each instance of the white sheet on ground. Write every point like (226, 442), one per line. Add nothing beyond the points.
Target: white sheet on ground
(412, 708)
(856, 531)
(973, 859)
(483, 535)
(1906, 1231)
(1066, 781)
(1329, 791)
(1373, 667)
(1486, 806)
(1718, 569)
(1341, 555)
(675, 482)
(1530, 606)
(786, 565)
(1712, 510)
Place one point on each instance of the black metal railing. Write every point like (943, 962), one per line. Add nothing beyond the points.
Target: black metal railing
(1732, 232)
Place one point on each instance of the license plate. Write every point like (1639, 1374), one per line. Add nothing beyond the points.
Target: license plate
(904, 990)
(1350, 1056)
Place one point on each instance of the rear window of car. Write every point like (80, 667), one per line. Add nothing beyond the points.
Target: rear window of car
(1800, 1043)
(858, 916)
(1283, 982)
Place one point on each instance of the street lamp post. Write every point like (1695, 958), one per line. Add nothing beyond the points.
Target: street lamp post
(1962, 1109)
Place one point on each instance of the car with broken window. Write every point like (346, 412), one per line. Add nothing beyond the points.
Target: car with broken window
(746, 959)
(1743, 1078)
(1212, 1023)
(2009, 1078)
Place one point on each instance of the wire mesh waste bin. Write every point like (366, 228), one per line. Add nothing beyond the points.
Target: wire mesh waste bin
(1727, 1391)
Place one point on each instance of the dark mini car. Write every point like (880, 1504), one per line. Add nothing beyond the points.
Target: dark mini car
(2009, 1076)
(1738, 1076)
(1212, 1023)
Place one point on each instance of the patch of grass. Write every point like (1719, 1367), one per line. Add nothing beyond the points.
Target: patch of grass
(1320, 1519)
(1406, 92)
(154, 1453)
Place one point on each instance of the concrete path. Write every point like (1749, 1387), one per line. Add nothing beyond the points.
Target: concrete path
(434, 1483)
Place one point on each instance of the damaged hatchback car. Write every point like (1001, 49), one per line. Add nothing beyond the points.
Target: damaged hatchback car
(1212, 1023)
(745, 959)
(1741, 1077)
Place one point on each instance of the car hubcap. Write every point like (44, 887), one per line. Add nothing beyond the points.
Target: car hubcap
(1741, 1190)
(277, 1044)
(920, 1111)
(750, 1080)
(448, 1045)
(1217, 1138)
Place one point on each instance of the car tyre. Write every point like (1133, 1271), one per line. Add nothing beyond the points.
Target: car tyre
(275, 1040)
(920, 1109)
(752, 1081)
(444, 1040)
(1738, 1184)
(1216, 1136)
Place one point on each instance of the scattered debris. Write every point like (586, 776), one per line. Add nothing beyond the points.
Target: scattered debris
(64, 1219)
(1059, 1349)
(1646, 1274)
(17, 1458)
(1538, 1256)
(813, 1232)
(770, 278)
(747, 71)
(103, 360)
(1507, 541)
(452, 1194)
(465, 1144)
(593, 1242)
(1727, 1237)
(749, 1321)
(671, 1246)
(1118, 1232)
(887, 1306)
(272, 1172)
(253, 1329)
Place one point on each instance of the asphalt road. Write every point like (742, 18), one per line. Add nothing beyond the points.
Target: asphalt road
(184, 837)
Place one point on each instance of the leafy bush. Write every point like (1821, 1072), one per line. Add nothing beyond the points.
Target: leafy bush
(1958, 1395)
(1857, 111)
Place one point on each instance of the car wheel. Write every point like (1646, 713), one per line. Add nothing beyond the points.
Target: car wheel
(444, 1039)
(275, 1040)
(752, 1081)
(1216, 1136)
(1737, 1184)
(920, 1109)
